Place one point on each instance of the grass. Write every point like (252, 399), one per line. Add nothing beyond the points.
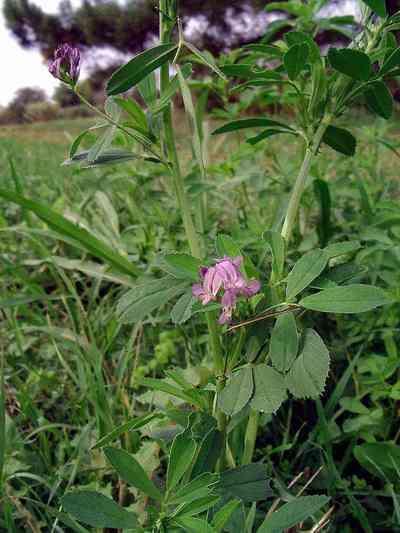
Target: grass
(72, 368)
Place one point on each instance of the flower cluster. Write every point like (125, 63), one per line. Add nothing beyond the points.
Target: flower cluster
(66, 64)
(226, 280)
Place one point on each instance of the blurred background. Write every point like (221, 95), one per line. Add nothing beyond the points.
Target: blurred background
(110, 31)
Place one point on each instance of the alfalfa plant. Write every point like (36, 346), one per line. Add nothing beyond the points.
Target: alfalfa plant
(210, 475)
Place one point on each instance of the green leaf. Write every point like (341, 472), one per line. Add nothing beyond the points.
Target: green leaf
(227, 246)
(307, 268)
(351, 62)
(249, 483)
(79, 236)
(307, 377)
(181, 456)
(284, 342)
(377, 6)
(209, 452)
(324, 225)
(237, 393)
(206, 59)
(191, 397)
(277, 245)
(97, 510)
(148, 296)
(269, 389)
(132, 425)
(347, 299)
(191, 524)
(381, 459)
(171, 89)
(340, 140)
(379, 99)
(295, 59)
(198, 506)
(199, 487)
(292, 513)
(132, 472)
(107, 157)
(340, 248)
(182, 266)
(135, 112)
(391, 62)
(267, 134)
(139, 67)
(182, 310)
(245, 123)
(222, 517)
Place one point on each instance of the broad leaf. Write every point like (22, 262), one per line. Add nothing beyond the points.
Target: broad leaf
(377, 6)
(139, 67)
(97, 510)
(379, 99)
(347, 299)
(307, 268)
(295, 59)
(307, 377)
(132, 472)
(269, 389)
(182, 310)
(238, 391)
(249, 483)
(341, 248)
(284, 342)
(351, 62)
(340, 140)
(292, 513)
(181, 456)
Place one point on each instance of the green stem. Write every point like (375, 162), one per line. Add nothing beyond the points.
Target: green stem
(287, 229)
(194, 240)
(301, 179)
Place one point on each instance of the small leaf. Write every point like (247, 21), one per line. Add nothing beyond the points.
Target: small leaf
(199, 487)
(284, 342)
(191, 524)
(379, 99)
(209, 452)
(377, 6)
(346, 299)
(295, 59)
(351, 62)
(245, 123)
(341, 248)
(181, 456)
(307, 377)
(307, 268)
(182, 310)
(237, 393)
(277, 245)
(380, 458)
(269, 389)
(249, 483)
(182, 266)
(132, 425)
(97, 510)
(292, 513)
(340, 140)
(391, 62)
(222, 516)
(139, 67)
(132, 472)
(227, 246)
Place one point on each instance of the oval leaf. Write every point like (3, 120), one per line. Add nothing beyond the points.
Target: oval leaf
(379, 99)
(340, 140)
(353, 63)
(295, 59)
(284, 342)
(245, 123)
(132, 472)
(269, 389)
(305, 271)
(307, 377)
(181, 456)
(139, 67)
(97, 510)
(347, 299)
(237, 392)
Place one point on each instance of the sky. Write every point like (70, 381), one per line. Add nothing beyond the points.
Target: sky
(26, 67)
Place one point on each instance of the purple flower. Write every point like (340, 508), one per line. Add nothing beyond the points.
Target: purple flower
(66, 64)
(225, 276)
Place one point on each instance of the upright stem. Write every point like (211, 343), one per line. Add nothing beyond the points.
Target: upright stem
(194, 240)
(301, 179)
(287, 229)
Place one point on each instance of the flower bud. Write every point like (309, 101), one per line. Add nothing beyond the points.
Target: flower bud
(66, 64)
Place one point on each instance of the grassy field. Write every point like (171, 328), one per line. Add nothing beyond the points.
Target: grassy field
(71, 367)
